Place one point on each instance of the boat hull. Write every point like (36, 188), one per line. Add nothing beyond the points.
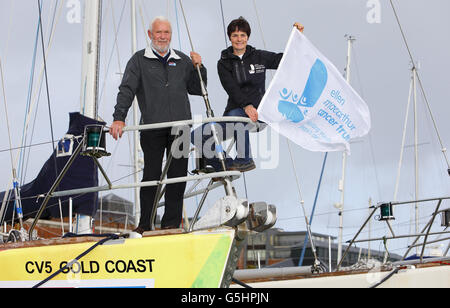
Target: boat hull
(197, 259)
(437, 276)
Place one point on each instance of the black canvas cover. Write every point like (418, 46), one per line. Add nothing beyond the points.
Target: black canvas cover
(83, 173)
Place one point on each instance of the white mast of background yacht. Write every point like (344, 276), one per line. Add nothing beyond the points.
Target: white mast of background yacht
(341, 188)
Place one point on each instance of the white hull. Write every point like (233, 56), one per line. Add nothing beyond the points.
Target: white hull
(426, 277)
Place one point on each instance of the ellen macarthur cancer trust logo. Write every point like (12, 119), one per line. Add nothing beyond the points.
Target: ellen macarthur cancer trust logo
(315, 85)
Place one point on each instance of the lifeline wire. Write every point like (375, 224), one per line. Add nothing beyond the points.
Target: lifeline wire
(25, 146)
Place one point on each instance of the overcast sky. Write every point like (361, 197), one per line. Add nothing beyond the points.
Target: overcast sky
(380, 73)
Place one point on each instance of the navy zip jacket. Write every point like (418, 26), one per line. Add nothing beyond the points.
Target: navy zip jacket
(245, 79)
(161, 87)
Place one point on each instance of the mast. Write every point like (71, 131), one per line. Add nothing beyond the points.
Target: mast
(137, 202)
(90, 79)
(416, 154)
(90, 58)
(341, 187)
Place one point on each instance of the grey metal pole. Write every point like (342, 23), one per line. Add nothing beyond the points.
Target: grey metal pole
(354, 238)
(415, 241)
(419, 235)
(429, 228)
(431, 242)
(148, 183)
(197, 212)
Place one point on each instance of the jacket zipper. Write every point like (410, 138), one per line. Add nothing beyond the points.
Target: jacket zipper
(166, 75)
(240, 70)
(243, 71)
(238, 75)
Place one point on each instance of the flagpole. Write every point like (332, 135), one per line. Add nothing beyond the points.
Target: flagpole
(341, 187)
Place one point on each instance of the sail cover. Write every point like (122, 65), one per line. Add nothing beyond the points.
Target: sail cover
(83, 173)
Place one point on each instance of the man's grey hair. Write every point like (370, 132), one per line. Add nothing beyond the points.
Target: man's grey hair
(158, 18)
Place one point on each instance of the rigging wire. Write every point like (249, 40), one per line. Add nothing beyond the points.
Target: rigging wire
(11, 14)
(300, 263)
(14, 176)
(415, 75)
(302, 202)
(4, 91)
(38, 91)
(369, 135)
(46, 84)
(7, 195)
(24, 162)
(223, 24)
(226, 46)
(178, 24)
(28, 118)
(6, 114)
(141, 13)
(397, 182)
(30, 91)
(443, 149)
(187, 28)
(116, 31)
(287, 141)
(259, 24)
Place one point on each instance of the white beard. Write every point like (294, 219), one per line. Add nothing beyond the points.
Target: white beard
(159, 49)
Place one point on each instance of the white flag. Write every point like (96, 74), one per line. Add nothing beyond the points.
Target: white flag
(309, 102)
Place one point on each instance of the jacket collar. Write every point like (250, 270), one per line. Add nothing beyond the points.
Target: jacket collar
(228, 53)
(149, 54)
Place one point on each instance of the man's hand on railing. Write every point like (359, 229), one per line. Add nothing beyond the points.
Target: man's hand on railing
(116, 129)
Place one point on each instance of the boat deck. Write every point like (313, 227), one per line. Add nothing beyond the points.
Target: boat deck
(78, 240)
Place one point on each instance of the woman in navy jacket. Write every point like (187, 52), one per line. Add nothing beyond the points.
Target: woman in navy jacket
(242, 72)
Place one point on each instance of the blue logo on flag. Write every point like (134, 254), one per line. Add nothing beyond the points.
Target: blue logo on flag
(315, 85)
(290, 109)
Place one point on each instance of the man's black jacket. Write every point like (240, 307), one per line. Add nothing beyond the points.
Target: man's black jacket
(161, 88)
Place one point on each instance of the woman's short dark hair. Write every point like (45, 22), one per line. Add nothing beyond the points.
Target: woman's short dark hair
(239, 24)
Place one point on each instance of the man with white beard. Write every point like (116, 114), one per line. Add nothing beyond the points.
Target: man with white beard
(161, 78)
